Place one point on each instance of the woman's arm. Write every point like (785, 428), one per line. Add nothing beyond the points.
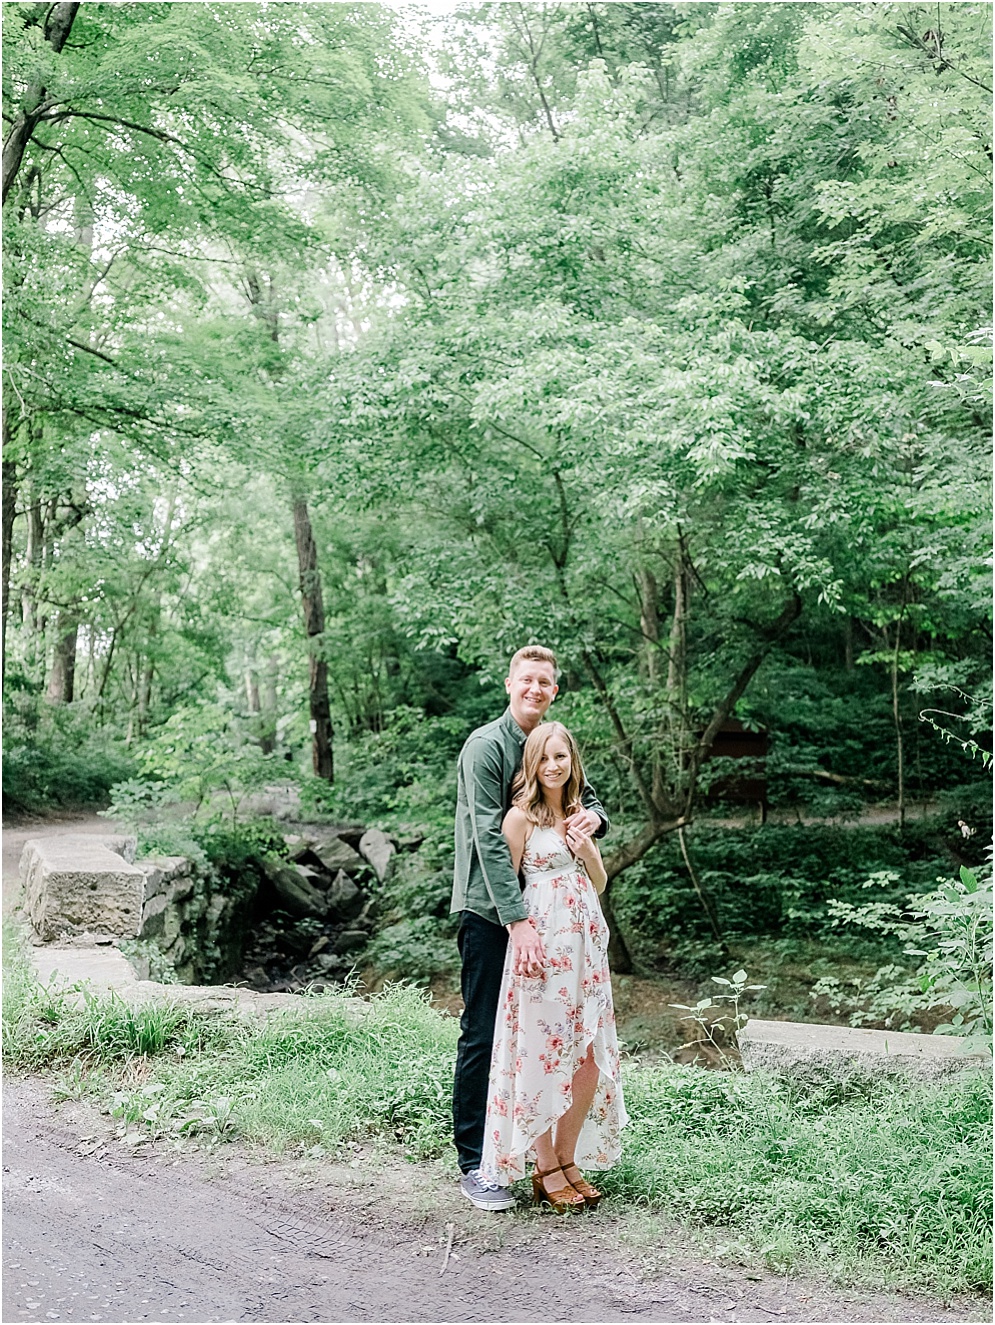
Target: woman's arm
(585, 848)
(515, 828)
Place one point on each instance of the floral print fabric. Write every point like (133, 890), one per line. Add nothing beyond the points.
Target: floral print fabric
(546, 1023)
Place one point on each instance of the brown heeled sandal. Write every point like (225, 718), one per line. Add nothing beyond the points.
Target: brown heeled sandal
(563, 1201)
(580, 1184)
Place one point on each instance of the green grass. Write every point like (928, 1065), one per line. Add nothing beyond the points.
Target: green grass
(893, 1180)
(881, 1183)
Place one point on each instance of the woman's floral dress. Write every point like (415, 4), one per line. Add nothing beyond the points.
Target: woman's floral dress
(546, 1023)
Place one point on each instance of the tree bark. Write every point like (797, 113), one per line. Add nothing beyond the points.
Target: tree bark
(896, 712)
(314, 628)
(57, 27)
(252, 691)
(677, 673)
(267, 740)
(61, 679)
(10, 478)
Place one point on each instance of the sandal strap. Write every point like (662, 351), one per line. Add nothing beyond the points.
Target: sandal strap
(544, 1173)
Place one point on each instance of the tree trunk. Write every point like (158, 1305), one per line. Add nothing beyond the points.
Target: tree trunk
(267, 739)
(897, 716)
(9, 512)
(57, 27)
(61, 680)
(619, 957)
(145, 675)
(34, 556)
(314, 628)
(252, 691)
(677, 673)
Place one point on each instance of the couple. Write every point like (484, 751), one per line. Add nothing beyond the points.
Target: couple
(537, 1067)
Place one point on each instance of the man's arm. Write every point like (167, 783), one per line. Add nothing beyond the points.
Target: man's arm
(480, 765)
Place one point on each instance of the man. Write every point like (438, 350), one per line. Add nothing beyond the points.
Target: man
(487, 893)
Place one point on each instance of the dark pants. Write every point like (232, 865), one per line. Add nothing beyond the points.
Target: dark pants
(482, 946)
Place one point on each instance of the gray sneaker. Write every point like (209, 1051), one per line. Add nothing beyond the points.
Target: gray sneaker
(483, 1194)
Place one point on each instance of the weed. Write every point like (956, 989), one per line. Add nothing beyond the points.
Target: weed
(721, 1027)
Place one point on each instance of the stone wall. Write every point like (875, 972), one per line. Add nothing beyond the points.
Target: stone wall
(91, 892)
(293, 923)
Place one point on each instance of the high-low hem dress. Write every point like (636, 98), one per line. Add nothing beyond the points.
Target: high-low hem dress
(547, 1023)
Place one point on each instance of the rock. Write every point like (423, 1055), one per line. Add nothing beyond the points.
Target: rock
(409, 841)
(345, 900)
(74, 883)
(280, 801)
(350, 940)
(329, 961)
(294, 893)
(378, 849)
(334, 855)
(317, 878)
(153, 917)
(179, 889)
(836, 1053)
(367, 916)
(102, 970)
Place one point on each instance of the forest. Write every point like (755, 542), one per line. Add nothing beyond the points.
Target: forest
(349, 347)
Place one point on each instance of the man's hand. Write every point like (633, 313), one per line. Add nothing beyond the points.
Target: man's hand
(584, 823)
(528, 954)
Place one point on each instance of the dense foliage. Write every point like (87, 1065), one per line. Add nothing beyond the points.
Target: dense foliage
(660, 338)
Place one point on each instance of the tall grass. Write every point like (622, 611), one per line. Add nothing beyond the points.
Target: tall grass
(893, 1176)
(878, 1182)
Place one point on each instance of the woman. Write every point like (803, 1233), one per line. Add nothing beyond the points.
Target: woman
(555, 1084)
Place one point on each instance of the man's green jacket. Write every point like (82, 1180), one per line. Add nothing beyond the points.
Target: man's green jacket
(483, 879)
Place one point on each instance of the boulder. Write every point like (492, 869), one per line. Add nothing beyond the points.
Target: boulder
(835, 1053)
(350, 940)
(293, 892)
(154, 917)
(335, 855)
(345, 900)
(409, 841)
(317, 878)
(379, 850)
(75, 883)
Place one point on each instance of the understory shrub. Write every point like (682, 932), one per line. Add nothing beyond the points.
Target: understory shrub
(54, 759)
(949, 930)
(777, 880)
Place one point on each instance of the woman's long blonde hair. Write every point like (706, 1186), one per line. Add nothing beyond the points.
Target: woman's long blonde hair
(526, 790)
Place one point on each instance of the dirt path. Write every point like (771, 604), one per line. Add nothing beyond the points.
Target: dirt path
(94, 1232)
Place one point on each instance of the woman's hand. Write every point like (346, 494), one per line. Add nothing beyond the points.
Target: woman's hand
(580, 842)
(585, 848)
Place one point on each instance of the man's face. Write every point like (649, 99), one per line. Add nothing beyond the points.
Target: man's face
(531, 687)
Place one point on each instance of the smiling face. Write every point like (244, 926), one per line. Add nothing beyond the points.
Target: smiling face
(531, 688)
(555, 764)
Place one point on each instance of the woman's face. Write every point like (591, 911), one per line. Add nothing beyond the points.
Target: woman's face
(554, 763)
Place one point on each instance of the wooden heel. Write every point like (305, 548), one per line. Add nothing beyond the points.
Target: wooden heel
(565, 1200)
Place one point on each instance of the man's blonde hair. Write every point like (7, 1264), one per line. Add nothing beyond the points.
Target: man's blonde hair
(534, 653)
